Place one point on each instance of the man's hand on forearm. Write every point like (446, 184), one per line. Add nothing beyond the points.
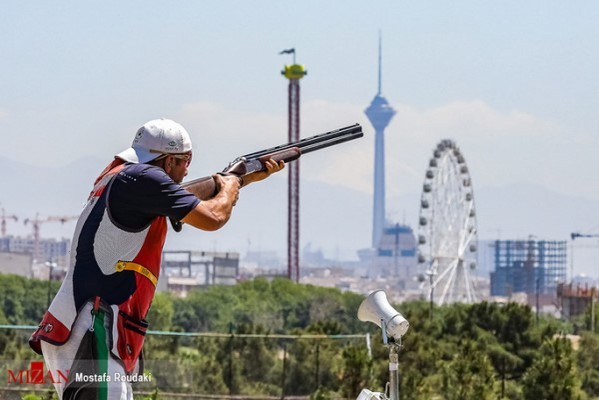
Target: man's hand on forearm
(271, 168)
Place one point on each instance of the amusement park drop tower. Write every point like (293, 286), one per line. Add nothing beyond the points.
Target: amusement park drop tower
(293, 73)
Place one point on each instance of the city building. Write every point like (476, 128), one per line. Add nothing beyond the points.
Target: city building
(185, 270)
(16, 263)
(50, 250)
(528, 266)
(575, 299)
(394, 257)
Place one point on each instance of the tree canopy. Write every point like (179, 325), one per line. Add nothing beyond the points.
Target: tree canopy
(479, 351)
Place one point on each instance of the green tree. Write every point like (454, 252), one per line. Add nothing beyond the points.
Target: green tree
(462, 351)
(161, 312)
(12, 296)
(588, 363)
(553, 375)
(356, 371)
(469, 375)
(257, 358)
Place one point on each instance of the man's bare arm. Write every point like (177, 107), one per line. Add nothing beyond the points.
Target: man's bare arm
(212, 214)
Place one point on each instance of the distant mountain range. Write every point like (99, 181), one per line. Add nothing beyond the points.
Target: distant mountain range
(334, 219)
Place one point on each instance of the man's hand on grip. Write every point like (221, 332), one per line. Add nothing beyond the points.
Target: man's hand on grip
(229, 186)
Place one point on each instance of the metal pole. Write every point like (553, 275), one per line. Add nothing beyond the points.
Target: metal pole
(51, 265)
(230, 372)
(537, 300)
(394, 372)
(284, 370)
(293, 188)
(593, 309)
(503, 378)
(431, 299)
(50, 268)
(317, 373)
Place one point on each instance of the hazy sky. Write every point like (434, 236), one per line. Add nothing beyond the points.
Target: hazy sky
(514, 83)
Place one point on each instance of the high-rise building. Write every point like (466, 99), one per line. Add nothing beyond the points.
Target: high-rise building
(379, 112)
(528, 266)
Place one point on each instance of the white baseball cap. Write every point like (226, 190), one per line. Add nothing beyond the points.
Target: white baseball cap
(156, 137)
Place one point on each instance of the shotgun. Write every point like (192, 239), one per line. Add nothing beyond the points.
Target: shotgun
(205, 188)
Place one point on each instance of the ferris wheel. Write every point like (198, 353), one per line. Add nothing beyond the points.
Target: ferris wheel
(447, 238)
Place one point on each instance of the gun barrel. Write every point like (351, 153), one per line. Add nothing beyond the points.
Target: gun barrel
(331, 142)
(315, 142)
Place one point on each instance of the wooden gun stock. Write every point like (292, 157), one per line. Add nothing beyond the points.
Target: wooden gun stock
(204, 188)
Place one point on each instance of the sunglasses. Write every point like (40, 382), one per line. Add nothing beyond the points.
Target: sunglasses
(187, 157)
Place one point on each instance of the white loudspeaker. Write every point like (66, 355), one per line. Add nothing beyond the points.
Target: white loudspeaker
(366, 394)
(376, 308)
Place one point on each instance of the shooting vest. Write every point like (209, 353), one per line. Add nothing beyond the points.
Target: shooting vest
(109, 263)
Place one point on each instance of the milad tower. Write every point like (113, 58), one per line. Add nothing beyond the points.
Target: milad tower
(379, 112)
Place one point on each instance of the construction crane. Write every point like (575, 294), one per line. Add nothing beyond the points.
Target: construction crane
(37, 222)
(575, 235)
(3, 221)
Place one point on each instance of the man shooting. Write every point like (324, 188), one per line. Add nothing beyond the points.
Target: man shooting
(95, 326)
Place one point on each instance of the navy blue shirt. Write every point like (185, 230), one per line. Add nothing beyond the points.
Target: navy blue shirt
(141, 192)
